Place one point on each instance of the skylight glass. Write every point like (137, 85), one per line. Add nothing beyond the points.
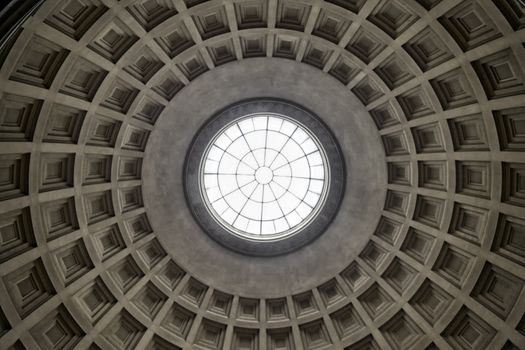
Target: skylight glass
(263, 176)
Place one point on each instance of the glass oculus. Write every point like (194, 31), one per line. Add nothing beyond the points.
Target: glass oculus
(264, 176)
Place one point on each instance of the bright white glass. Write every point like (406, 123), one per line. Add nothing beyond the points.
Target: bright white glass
(264, 176)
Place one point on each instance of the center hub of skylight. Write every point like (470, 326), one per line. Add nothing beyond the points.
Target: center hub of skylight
(264, 175)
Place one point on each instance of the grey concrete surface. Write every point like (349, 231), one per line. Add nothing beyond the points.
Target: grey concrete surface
(299, 270)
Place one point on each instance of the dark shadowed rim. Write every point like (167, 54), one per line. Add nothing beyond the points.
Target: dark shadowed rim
(242, 244)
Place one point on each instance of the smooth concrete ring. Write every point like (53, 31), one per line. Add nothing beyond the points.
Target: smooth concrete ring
(221, 267)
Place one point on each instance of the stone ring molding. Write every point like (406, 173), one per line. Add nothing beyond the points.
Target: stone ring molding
(264, 177)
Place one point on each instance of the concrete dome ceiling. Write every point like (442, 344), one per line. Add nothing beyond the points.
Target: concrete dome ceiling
(99, 100)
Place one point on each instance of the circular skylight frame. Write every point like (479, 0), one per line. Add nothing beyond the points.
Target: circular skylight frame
(306, 232)
(288, 154)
